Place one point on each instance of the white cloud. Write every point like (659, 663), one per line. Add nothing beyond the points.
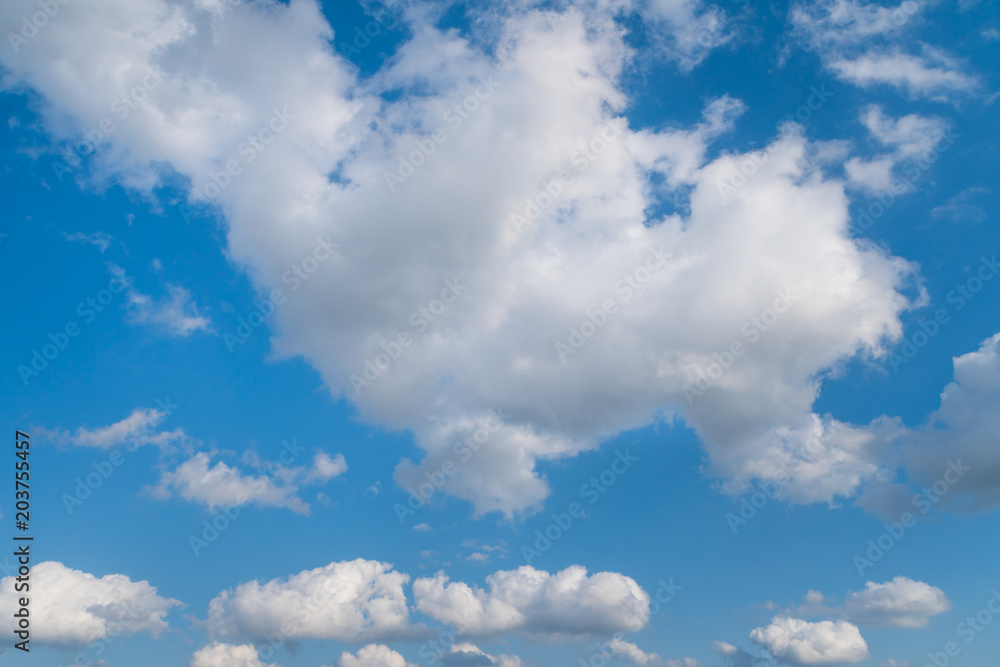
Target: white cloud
(70, 607)
(910, 136)
(558, 88)
(935, 75)
(276, 485)
(324, 468)
(896, 663)
(177, 315)
(373, 655)
(733, 655)
(535, 603)
(629, 650)
(863, 44)
(139, 428)
(227, 655)
(900, 603)
(197, 480)
(357, 600)
(470, 655)
(799, 642)
(100, 239)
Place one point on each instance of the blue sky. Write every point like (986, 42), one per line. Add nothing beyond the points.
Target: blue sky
(678, 317)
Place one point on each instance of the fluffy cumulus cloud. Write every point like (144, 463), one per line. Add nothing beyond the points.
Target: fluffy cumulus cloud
(197, 480)
(543, 287)
(227, 655)
(275, 485)
(373, 655)
(866, 44)
(349, 601)
(901, 603)
(798, 642)
(470, 655)
(536, 603)
(71, 607)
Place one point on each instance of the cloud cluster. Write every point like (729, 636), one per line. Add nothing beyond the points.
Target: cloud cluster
(547, 230)
(900, 603)
(536, 603)
(71, 607)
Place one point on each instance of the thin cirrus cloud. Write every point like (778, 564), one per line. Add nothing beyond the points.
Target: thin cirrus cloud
(139, 428)
(867, 44)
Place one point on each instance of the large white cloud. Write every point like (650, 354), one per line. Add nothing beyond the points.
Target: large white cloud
(351, 601)
(71, 607)
(536, 106)
(536, 603)
(901, 603)
(797, 642)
